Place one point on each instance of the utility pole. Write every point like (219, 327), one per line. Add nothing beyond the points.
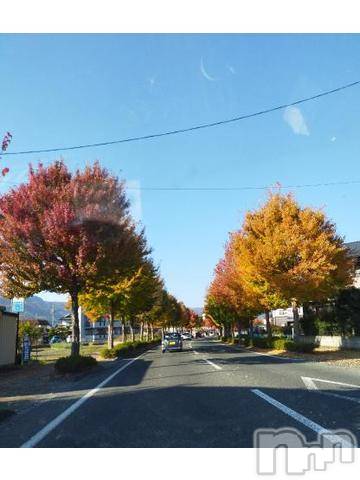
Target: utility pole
(52, 315)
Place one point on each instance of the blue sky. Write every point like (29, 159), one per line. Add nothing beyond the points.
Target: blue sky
(70, 89)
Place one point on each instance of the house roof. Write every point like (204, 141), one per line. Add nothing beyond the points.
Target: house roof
(354, 248)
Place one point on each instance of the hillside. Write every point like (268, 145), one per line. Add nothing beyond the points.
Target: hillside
(36, 307)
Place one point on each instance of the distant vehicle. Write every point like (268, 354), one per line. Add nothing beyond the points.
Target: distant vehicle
(172, 342)
(198, 335)
(186, 336)
(55, 339)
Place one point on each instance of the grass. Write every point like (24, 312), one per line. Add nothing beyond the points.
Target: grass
(49, 355)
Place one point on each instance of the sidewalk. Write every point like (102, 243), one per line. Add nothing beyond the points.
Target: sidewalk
(337, 358)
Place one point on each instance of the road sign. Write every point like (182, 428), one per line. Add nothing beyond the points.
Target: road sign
(17, 305)
(26, 349)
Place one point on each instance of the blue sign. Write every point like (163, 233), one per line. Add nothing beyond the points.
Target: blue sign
(26, 349)
(17, 305)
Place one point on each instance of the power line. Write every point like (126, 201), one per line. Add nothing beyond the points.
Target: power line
(226, 189)
(188, 129)
(229, 189)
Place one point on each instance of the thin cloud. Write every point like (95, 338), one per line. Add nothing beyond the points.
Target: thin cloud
(295, 119)
(231, 69)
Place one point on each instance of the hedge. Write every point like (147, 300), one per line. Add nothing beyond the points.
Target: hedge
(125, 348)
(279, 343)
(74, 364)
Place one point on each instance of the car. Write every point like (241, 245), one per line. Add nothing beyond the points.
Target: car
(55, 339)
(171, 342)
(186, 336)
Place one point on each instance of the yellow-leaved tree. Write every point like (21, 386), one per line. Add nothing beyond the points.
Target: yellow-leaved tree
(288, 255)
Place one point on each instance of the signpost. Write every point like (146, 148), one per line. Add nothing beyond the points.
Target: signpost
(26, 349)
(18, 305)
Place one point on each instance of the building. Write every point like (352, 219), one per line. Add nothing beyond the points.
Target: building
(354, 250)
(9, 323)
(91, 331)
(284, 317)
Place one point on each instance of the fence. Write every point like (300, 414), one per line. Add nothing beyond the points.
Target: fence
(352, 343)
(8, 337)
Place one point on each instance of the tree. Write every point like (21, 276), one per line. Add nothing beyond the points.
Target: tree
(30, 328)
(347, 310)
(4, 146)
(289, 255)
(234, 303)
(129, 296)
(62, 331)
(59, 232)
(142, 294)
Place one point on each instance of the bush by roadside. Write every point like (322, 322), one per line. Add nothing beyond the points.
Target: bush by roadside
(123, 349)
(279, 343)
(74, 364)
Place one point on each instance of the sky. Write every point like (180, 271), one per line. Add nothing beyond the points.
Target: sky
(63, 90)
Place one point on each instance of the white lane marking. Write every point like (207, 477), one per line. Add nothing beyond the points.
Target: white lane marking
(212, 364)
(328, 381)
(304, 420)
(272, 356)
(209, 361)
(310, 385)
(41, 434)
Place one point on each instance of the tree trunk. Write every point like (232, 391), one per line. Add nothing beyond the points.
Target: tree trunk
(152, 331)
(238, 329)
(295, 310)
(75, 345)
(251, 328)
(268, 324)
(141, 331)
(123, 331)
(132, 332)
(111, 327)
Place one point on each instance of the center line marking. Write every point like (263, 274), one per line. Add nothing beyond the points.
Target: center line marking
(315, 427)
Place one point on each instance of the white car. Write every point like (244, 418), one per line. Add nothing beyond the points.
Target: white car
(186, 336)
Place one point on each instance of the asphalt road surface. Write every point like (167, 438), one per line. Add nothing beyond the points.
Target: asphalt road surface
(209, 395)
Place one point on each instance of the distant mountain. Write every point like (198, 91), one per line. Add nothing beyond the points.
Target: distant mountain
(198, 310)
(36, 307)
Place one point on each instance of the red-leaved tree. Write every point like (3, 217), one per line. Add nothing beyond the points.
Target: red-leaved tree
(64, 232)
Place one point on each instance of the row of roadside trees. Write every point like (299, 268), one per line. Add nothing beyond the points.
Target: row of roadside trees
(283, 255)
(72, 232)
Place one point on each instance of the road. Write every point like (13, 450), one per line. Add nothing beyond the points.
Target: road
(209, 395)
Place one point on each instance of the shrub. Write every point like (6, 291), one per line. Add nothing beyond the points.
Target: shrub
(108, 353)
(261, 342)
(300, 347)
(248, 342)
(74, 364)
(127, 347)
(279, 343)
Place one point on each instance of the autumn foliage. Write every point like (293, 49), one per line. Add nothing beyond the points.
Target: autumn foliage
(64, 232)
(283, 255)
